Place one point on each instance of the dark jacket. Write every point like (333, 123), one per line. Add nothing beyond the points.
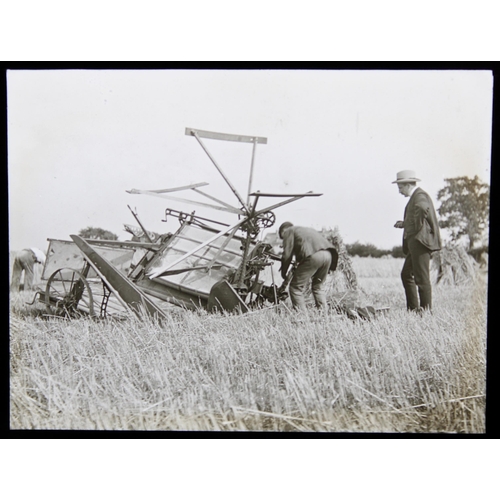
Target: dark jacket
(421, 222)
(304, 242)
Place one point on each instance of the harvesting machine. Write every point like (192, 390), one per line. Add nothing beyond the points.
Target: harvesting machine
(205, 263)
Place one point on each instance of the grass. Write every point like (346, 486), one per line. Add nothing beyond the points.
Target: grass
(269, 370)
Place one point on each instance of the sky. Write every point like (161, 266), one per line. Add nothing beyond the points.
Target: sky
(79, 139)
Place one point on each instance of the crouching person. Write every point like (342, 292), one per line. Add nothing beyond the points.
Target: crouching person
(315, 257)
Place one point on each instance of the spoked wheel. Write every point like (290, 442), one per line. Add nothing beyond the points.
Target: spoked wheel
(68, 293)
(266, 219)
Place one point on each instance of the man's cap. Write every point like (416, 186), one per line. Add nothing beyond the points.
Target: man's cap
(405, 176)
(284, 226)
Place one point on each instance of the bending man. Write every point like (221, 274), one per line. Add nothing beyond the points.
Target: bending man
(25, 261)
(421, 237)
(315, 256)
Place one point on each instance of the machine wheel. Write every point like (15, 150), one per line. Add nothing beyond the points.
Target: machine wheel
(266, 220)
(68, 293)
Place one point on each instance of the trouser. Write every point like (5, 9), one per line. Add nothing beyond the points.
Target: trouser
(24, 261)
(315, 266)
(415, 274)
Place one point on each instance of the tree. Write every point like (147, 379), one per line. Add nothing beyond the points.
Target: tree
(397, 252)
(464, 208)
(96, 233)
(365, 250)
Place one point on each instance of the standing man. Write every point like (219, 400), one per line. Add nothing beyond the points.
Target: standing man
(421, 237)
(25, 261)
(315, 256)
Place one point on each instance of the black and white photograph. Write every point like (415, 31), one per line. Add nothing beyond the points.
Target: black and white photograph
(283, 251)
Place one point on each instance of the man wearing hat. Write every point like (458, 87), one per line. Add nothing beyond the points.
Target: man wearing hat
(315, 257)
(421, 237)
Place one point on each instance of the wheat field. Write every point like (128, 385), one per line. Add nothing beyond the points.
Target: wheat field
(271, 370)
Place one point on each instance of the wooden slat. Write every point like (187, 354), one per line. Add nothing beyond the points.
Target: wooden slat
(184, 200)
(111, 243)
(181, 188)
(278, 195)
(124, 244)
(226, 137)
(272, 207)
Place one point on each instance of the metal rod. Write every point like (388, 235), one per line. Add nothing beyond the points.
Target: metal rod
(199, 247)
(251, 171)
(228, 182)
(254, 206)
(196, 268)
(192, 217)
(140, 224)
(214, 199)
(274, 285)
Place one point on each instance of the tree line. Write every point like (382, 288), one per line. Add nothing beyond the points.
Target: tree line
(370, 250)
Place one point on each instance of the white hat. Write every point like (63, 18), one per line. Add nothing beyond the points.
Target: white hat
(405, 176)
(39, 255)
